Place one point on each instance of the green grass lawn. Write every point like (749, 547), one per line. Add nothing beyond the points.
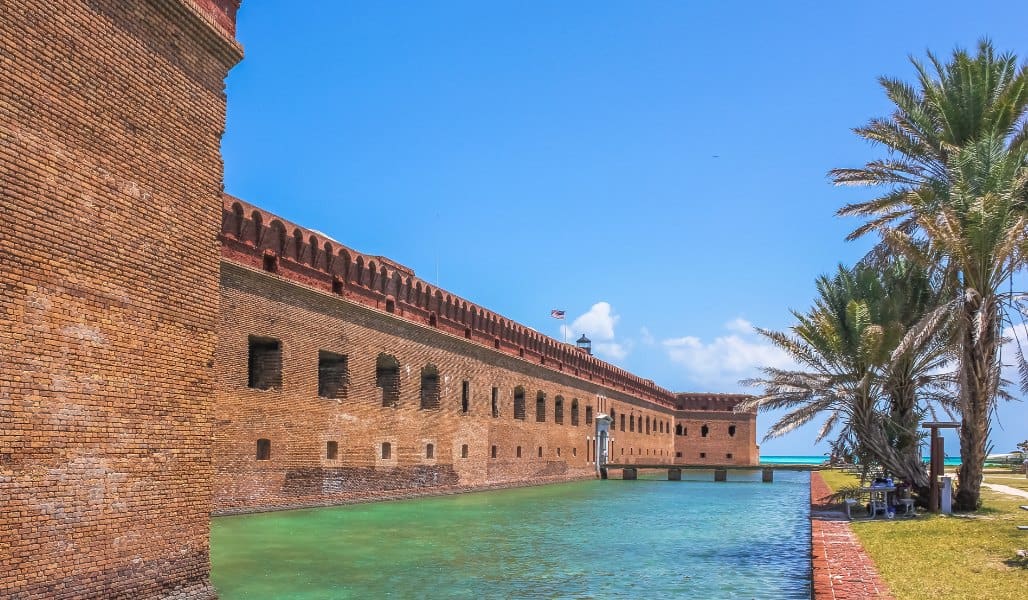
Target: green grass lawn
(1011, 479)
(937, 557)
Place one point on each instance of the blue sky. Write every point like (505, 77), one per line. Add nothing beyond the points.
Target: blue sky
(656, 169)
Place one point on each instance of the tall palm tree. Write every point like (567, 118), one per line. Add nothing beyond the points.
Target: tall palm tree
(955, 198)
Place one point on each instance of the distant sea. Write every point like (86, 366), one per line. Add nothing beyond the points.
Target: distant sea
(951, 461)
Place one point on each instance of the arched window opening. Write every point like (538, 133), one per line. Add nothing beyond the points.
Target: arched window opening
(387, 377)
(589, 415)
(704, 431)
(574, 412)
(332, 450)
(432, 320)
(519, 403)
(518, 452)
(263, 449)
(387, 450)
(622, 422)
(678, 429)
(558, 410)
(237, 211)
(430, 451)
(540, 452)
(464, 451)
(540, 407)
(297, 245)
(429, 387)
(390, 305)
(337, 286)
(731, 430)
(496, 402)
(492, 452)
(631, 423)
(647, 426)
(558, 451)
(465, 396)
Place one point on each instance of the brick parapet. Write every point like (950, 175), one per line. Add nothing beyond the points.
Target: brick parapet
(251, 236)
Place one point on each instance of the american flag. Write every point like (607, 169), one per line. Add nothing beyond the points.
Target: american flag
(557, 314)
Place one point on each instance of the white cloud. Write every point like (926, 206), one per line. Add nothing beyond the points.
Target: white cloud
(647, 337)
(598, 325)
(726, 359)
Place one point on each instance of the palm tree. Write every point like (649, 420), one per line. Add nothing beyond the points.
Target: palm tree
(845, 346)
(956, 199)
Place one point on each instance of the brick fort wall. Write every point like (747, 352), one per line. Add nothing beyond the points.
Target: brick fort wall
(111, 115)
(709, 431)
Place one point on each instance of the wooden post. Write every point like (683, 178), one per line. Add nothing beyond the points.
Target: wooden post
(767, 475)
(674, 474)
(720, 474)
(629, 473)
(936, 467)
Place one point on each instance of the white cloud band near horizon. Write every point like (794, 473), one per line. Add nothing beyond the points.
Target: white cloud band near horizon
(726, 359)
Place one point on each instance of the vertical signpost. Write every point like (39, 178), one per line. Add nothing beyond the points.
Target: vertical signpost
(937, 463)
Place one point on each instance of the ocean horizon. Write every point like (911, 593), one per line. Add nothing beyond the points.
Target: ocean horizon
(812, 459)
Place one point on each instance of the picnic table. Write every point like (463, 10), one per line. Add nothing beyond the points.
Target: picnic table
(878, 499)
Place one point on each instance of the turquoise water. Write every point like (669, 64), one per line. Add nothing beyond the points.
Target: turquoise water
(951, 461)
(590, 539)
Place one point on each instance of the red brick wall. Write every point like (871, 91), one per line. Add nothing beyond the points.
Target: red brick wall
(716, 412)
(111, 115)
(299, 423)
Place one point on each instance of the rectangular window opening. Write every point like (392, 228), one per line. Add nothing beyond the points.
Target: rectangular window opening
(333, 375)
(265, 363)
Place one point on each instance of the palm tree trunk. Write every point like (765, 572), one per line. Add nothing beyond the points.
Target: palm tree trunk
(978, 378)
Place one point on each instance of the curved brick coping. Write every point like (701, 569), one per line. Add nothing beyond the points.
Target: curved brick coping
(841, 568)
(257, 238)
(409, 494)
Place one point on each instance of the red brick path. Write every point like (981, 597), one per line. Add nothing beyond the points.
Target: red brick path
(841, 567)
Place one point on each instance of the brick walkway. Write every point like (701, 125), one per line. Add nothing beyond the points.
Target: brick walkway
(841, 567)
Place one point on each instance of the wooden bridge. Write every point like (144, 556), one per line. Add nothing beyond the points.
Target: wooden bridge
(674, 472)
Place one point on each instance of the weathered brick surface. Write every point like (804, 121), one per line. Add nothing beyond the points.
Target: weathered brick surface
(300, 424)
(111, 115)
(720, 446)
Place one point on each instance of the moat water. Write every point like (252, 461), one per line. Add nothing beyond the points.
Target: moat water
(589, 539)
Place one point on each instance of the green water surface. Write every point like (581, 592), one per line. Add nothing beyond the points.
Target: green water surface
(591, 539)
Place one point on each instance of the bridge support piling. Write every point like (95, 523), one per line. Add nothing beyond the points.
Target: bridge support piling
(674, 474)
(629, 473)
(720, 474)
(603, 472)
(767, 475)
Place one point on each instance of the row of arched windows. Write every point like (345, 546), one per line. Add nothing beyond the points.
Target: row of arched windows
(645, 425)
(704, 430)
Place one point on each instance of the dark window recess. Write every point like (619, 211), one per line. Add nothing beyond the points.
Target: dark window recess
(492, 452)
(387, 377)
(337, 285)
(731, 430)
(465, 396)
(263, 449)
(574, 412)
(332, 450)
(390, 305)
(588, 415)
(729, 455)
(429, 387)
(622, 422)
(704, 431)
(270, 263)
(540, 451)
(333, 375)
(430, 451)
(496, 402)
(678, 455)
(703, 455)
(519, 403)
(387, 450)
(631, 423)
(558, 410)
(464, 451)
(518, 452)
(678, 429)
(558, 451)
(540, 408)
(265, 363)
(574, 452)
